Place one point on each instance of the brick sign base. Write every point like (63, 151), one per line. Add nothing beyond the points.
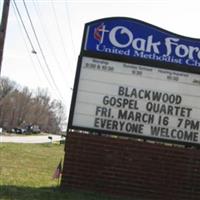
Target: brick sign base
(125, 167)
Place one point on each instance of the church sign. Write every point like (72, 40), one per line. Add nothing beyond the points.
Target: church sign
(135, 79)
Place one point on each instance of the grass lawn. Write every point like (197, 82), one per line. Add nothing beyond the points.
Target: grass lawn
(26, 173)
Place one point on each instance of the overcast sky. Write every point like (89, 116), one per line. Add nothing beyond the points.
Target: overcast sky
(59, 26)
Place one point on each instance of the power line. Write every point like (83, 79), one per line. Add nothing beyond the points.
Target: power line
(29, 39)
(59, 32)
(33, 64)
(49, 42)
(42, 53)
(20, 17)
(70, 26)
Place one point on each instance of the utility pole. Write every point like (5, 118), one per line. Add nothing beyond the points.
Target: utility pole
(3, 25)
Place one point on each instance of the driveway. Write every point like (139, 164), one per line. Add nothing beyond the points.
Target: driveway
(31, 139)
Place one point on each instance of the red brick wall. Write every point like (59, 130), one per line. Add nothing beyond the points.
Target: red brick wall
(129, 168)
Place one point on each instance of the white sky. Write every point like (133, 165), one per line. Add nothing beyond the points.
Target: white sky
(61, 45)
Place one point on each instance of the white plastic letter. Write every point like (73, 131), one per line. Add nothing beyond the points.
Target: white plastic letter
(124, 30)
(168, 42)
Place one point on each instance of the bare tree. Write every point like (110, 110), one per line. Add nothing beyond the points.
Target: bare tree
(6, 87)
(20, 107)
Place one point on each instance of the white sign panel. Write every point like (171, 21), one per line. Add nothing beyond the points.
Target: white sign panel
(138, 100)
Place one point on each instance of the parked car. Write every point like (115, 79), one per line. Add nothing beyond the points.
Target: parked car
(33, 129)
(18, 130)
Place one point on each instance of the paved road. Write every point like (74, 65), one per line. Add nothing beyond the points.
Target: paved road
(30, 139)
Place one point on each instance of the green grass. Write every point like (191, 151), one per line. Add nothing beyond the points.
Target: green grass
(29, 164)
(26, 174)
